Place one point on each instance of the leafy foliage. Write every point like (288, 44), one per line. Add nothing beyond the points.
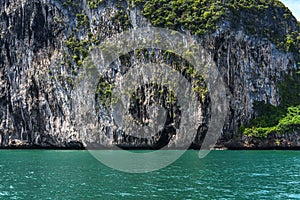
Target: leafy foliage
(104, 91)
(271, 119)
(93, 4)
(205, 16)
(121, 17)
(199, 17)
(291, 121)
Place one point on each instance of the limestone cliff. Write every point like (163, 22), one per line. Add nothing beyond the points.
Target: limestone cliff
(44, 43)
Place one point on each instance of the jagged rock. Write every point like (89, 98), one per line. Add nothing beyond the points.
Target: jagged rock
(37, 70)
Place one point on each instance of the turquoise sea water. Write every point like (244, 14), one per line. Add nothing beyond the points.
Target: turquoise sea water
(42, 174)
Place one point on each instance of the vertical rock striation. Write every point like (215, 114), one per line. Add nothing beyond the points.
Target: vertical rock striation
(44, 42)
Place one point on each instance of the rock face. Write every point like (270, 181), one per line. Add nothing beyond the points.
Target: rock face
(288, 140)
(33, 103)
(44, 42)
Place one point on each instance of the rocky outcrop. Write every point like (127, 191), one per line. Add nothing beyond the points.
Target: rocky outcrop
(252, 67)
(33, 102)
(289, 140)
(44, 42)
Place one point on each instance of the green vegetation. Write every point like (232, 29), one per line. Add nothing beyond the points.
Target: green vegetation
(79, 49)
(79, 46)
(290, 121)
(82, 19)
(293, 42)
(205, 16)
(180, 65)
(281, 119)
(199, 17)
(93, 4)
(104, 91)
(122, 19)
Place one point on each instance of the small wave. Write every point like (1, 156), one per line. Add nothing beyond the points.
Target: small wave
(4, 193)
(124, 194)
(258, 174)
(296, 196)
(259, 192)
